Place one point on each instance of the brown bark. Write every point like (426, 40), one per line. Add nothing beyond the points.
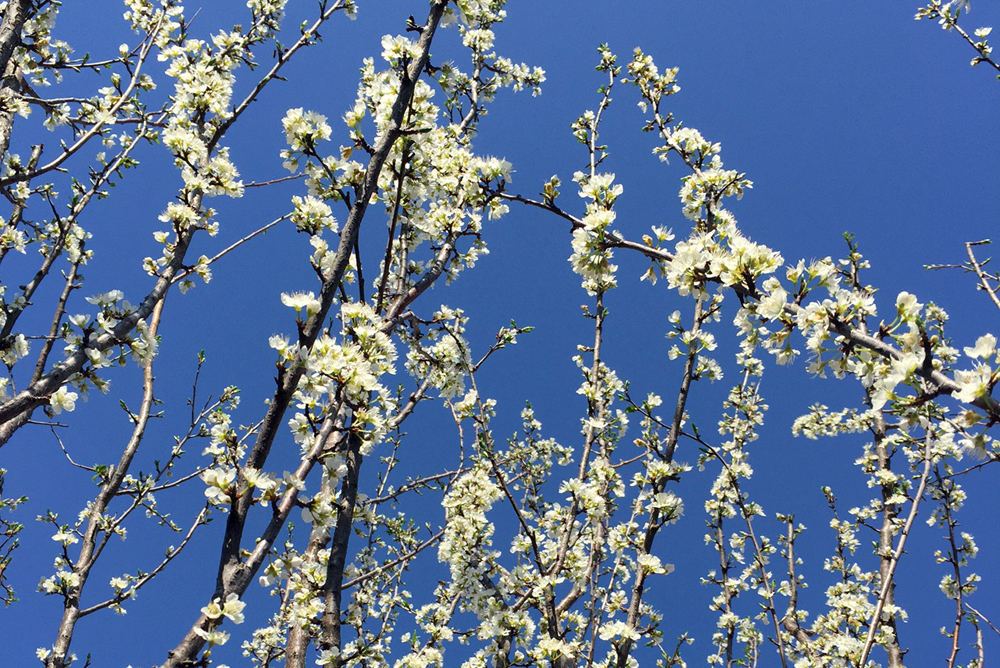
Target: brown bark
(10, 37)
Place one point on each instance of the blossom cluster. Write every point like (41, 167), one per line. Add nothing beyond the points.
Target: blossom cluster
(591, 256)
(348, 370)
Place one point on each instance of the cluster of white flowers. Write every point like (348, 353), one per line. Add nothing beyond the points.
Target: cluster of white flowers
(466, 545)
(446, 362)
(399, 50)
(267, 15)
(219, 481)
(702, 191)
(231, 609)
(145, 16)
(653, 86)
(312, 215)
(719, 255)
(303, 132)
(591, 256)
(17, 347)
(350, 370)
(821, 421)
(45, 51)
(60, 583)
(204, 86)
(478, 12)
(306, 304)
(298, 579)
(199, 110)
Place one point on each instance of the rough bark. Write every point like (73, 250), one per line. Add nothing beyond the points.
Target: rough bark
(10, 38)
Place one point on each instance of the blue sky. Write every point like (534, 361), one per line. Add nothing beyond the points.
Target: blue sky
(848, 117)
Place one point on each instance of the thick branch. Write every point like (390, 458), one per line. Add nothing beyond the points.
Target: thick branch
(39, 391)
(310, 330)
(330, 637)
(10, 29)
(10, 37)
(184, 654)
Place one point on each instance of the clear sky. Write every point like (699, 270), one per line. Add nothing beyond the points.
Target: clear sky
(847, 116)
